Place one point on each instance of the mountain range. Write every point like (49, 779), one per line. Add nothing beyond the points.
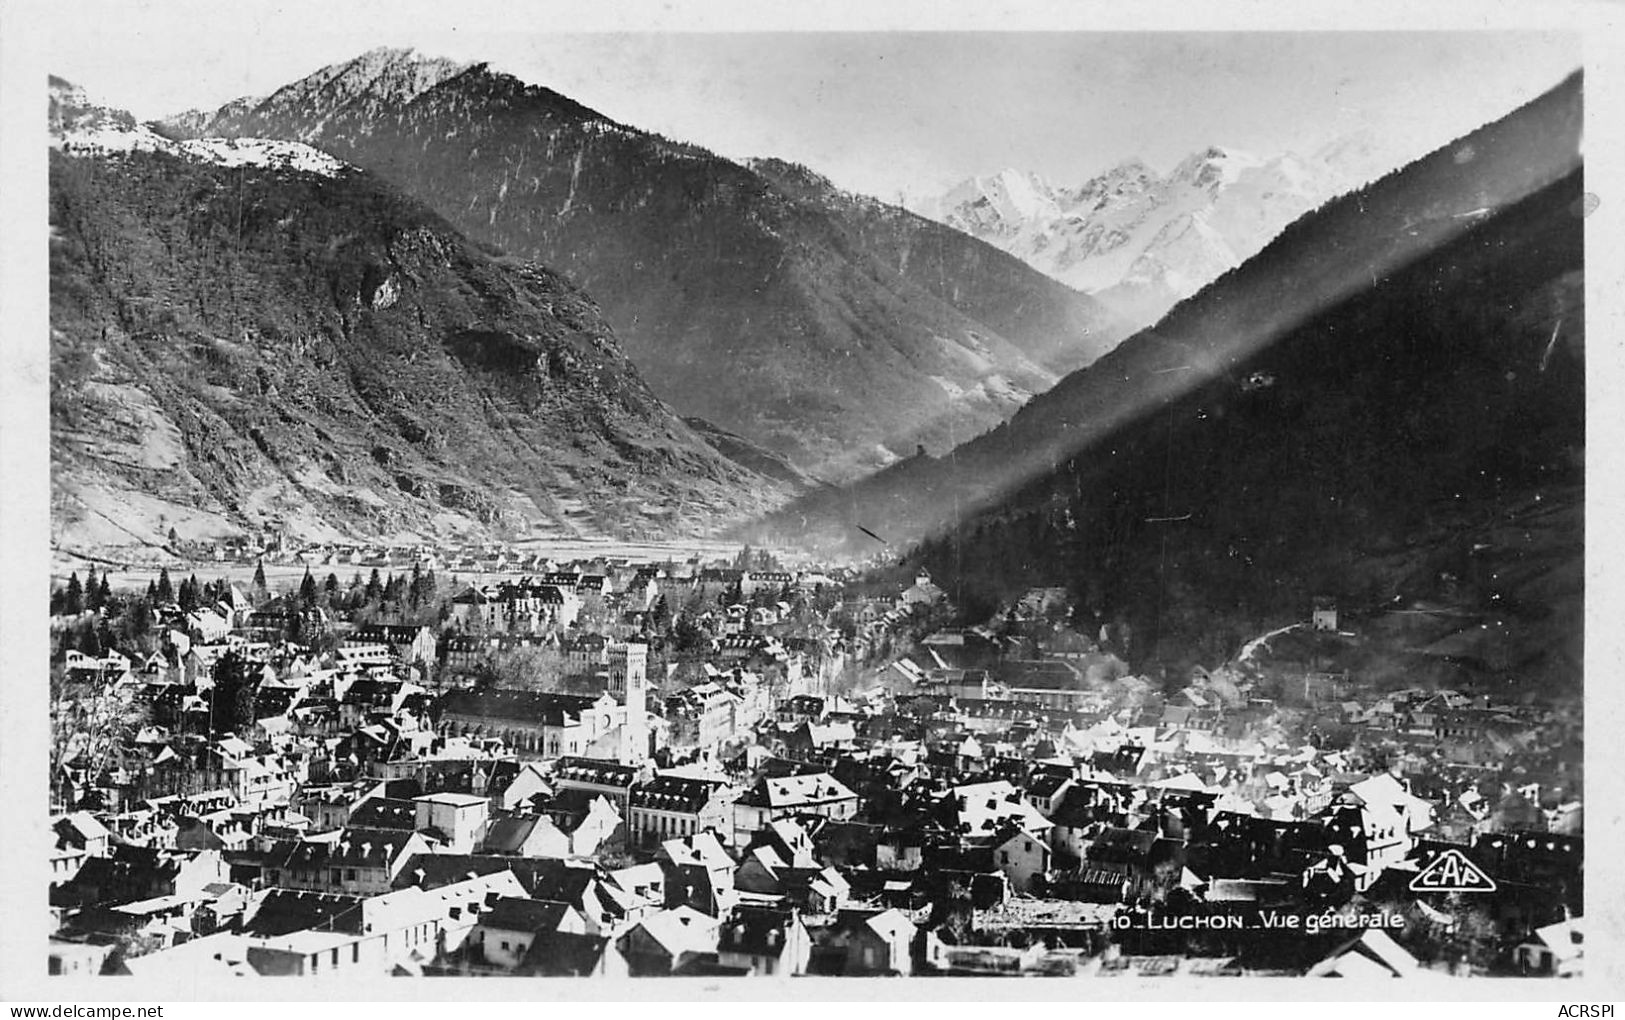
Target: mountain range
(1386, 401)
(730, 285)
(1141, 241)
(251, 333)
(366, 305)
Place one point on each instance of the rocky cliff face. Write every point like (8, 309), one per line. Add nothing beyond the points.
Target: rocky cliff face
(249, 333)
(839, 334)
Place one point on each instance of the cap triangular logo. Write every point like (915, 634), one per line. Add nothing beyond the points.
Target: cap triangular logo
(1452, 871)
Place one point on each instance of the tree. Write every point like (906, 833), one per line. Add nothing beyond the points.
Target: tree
(92, 590)
(614, 853)
(330, 588)
(242, 710)
(85, 720)
(190, 596)
(825, 599)
(104, 594)
(174, 538)
(231, 703)
(106, 635)
(375, 589)
(166, 590)
(534, 668)
(73, 603)
(135, 625)
(659, 615)
(687, 634)
(955, 911)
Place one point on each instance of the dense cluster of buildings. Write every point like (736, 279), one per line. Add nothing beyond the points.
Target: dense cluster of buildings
(1002, 799)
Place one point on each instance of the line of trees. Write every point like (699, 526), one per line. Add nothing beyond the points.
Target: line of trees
(406, 599)
(78, 597)
(94, 595)
(131, 620)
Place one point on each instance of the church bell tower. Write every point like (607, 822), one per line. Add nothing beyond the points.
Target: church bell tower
(628, 684)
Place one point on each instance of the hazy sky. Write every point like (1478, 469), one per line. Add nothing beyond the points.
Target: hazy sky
(878, 111)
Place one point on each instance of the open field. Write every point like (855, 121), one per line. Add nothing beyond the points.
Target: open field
(280, 576)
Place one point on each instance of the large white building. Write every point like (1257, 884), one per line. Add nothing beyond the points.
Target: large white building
(614, 725)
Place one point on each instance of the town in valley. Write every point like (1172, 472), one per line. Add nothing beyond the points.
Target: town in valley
(492, 539)
(728, 767)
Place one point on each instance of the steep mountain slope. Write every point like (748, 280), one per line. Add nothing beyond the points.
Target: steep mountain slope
(249, 333)
(1140, 241)
(732, 288)
(752, 457)
(1047, 320)
(1396, 380)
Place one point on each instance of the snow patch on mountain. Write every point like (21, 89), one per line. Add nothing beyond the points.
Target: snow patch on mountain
(104, 138)
(265, 152)
(232, 152)
(81, 126)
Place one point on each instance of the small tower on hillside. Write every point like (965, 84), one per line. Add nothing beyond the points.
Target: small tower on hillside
(1324, 614)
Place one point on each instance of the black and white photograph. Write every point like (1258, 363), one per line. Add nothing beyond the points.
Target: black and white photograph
(787, 506)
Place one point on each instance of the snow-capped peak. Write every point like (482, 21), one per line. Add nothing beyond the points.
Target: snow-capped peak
(404, 74)
(1003, 200)
(1214, 167)
(1025, 193)
(1135, 238)
(382, 75)
(79, 126)
(1127, 177)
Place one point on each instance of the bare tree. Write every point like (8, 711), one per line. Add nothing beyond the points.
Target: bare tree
(532, 668)
(87, 720)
